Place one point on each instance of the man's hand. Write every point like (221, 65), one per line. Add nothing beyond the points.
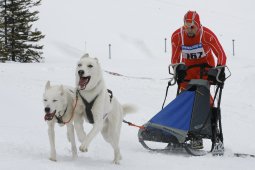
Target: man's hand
(217, 74)
(181, 72)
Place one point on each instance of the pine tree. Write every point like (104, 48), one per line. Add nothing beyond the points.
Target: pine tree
(3, 27)
(20, 39)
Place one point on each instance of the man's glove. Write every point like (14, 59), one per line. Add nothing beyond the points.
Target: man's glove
(181, 72)
(215, 74)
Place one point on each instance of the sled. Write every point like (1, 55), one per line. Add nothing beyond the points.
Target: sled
(189, 116)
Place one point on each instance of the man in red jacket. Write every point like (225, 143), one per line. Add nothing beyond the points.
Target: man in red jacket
(199, 48)
(194, 44)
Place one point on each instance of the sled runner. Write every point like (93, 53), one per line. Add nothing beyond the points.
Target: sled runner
(190, 116)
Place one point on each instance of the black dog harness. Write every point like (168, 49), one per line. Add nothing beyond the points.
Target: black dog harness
(111, 95)
(89, 106)
(60, 119)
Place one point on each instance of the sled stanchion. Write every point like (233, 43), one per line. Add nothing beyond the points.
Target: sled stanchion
(219, 115)
(178, 90)
(166, 94)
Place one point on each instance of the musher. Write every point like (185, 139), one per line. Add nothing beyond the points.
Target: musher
(199, 49)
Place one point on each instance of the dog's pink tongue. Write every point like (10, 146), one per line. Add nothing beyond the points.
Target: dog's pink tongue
(83, 82)
(49, 116)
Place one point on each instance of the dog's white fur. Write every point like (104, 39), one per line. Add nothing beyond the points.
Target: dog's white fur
(108, 115)
(59, 99)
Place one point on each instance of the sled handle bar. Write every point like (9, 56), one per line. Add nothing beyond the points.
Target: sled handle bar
(219, 68)
(172, 80)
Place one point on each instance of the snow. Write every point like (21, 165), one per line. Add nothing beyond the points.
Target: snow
(136, 31)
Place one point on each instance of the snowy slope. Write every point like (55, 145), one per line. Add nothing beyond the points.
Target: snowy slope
(136, 29)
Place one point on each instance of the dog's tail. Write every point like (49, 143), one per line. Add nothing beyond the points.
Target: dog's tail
(129, 108)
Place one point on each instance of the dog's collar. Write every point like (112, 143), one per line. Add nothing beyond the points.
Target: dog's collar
(60, 119)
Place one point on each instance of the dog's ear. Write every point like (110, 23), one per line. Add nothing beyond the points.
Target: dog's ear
(47, 86)
(61, 90)
(85, 55)
(96, 59)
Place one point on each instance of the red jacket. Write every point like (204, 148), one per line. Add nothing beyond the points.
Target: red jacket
(210, 45)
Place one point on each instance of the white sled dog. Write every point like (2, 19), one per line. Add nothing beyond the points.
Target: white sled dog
(98, 106)
(58, 106)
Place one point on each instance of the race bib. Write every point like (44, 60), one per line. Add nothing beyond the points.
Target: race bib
(193, 52)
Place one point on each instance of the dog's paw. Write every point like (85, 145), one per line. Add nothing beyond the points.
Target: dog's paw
(117, 159)
(53, 159)
(83, 148)
(116, 162)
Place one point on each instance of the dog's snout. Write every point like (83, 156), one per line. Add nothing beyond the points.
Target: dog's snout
(81, 72)
(47, 109)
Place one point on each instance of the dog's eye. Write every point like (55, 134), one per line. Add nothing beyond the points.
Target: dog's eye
(45, 100)
(90, 66)
(55, 100)
(79, 65)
